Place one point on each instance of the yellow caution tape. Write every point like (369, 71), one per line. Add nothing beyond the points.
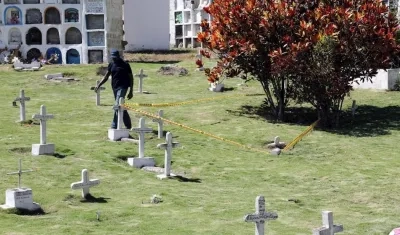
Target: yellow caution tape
(187, 102)
(127, 106)
(300, 137)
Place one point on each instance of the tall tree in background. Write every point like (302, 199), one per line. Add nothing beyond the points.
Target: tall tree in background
(306, 50)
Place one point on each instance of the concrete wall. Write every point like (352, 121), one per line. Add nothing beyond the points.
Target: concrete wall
(384, 80)
(146, 24)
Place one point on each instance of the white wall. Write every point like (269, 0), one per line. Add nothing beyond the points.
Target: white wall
(384, 80)
(146, 24)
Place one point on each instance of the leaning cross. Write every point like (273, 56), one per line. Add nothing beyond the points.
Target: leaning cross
(85, 183)
(43, 117)
(97, 92)
(142, 129)
(19, 173)
(260, 216)
(168, 145)
(328, 227)
(141, 75)
(160, 123)
(22, 100)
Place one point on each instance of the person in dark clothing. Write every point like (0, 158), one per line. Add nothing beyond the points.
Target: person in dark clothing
(121, 81)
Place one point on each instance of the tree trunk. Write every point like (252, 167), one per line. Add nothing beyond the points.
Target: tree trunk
(281, 103)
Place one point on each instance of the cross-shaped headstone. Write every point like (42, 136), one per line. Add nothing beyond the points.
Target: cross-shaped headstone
(141, 75)
(85, 183)
(328, 228)
(120, 109)
(141, 130)
(260, 216)
(19, 173)
(43, 117)
(168, 145)
(160, 123)
(22, 100)
(97, 92)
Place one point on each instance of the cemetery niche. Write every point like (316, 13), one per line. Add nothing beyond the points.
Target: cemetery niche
(33, 55)
(96, 39)
(12, 15)
(73, 36)
(71, 1)
(14, 38)
(95, 21)
(71, 15)
(53, 36)
(31, 1)
(52, 16)
(12, 1)
(33, 16)
(73, 57)
(34, 37)
(53, 55)
(95, 56)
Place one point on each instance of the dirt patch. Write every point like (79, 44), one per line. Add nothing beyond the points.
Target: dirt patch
(173, 70)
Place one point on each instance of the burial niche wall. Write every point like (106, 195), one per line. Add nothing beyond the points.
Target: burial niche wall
(12, 15)
(33, 54)
(34, 36)
(54, 55)
(31, 1)
(52, 16)
(33, 16)
(53, 36)
(73, 36)
(71, 15)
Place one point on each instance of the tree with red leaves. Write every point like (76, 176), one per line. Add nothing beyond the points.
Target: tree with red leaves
(305, 50)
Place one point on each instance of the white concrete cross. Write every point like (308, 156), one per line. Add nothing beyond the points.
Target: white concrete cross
(43, 117)
(22, 100)
(19, 173)
(141, 75)
(98, 92)
(120, 109)
(168, 145)
(85, 183)
(160, 123)
(328, 227)
(260, 216)
(142, 129)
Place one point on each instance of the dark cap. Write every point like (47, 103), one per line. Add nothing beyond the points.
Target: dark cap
(114, 53)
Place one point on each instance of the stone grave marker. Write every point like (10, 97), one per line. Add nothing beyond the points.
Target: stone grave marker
(328, 228)
(22, 100)
(43, 148)
(20, 198)
(141, 75)
(119, 133)
(98, 92)
(19, 66)
(141, 161)
(85, 183)
(168, 145)
(160, 123)
(260, 216)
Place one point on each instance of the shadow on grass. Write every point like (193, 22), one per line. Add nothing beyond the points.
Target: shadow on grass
(368, 120)
(162, 52)
(228, 89)
(122, 158)
(21, 150)
(92, 199)
(153, 62)
(17, 211)
(60, 155)
(186, 180)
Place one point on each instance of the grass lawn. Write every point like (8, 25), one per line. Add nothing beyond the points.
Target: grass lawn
(351, 171)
